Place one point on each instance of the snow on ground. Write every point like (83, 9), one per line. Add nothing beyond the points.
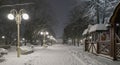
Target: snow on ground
(53, 55)
(91, 59)
(57, 55)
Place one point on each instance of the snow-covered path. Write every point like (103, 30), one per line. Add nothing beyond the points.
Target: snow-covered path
(53, 55)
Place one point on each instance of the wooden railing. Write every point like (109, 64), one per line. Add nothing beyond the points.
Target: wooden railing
(92, 47)
(117, 37)
(103, 47)
(117, 46)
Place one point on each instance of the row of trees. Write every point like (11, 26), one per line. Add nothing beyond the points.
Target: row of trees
(40, 17)
(85, 13)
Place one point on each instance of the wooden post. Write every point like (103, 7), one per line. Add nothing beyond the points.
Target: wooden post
(113, 43)
(98, 47)
(86, 45)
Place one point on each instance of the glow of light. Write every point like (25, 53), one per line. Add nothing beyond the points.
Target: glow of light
(90, 37)
(41, 33)
(10, 16)
(46, 33)
(23, 38)
(3, 37)
(80, 40)
(25, 16)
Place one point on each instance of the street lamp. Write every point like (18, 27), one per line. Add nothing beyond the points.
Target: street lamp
(23, 39)
(3, 37)
(17, 16)
(90, 37)
(44, 33)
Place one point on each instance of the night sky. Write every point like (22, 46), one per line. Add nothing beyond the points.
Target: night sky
(61, 9)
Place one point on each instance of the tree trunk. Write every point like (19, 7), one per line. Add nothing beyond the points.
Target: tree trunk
(97, 7)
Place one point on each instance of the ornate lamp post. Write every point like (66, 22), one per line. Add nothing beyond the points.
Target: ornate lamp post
(17, 16)
(44, 35)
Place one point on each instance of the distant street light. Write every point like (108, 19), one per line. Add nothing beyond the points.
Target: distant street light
(23, 39)
(17, 16)
(90, 37)
(44, 35)
(81, 41)
(3, 37)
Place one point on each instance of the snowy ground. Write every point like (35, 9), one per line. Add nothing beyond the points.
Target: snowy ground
(54, 55)
(57, 55)
(91, 59)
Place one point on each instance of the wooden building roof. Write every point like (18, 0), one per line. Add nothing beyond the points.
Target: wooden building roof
(116, 15)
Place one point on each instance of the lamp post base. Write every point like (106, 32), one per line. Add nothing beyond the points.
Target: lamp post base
(18, 51)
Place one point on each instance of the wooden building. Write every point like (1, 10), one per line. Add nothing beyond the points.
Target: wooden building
(99, 39)
(115, 33)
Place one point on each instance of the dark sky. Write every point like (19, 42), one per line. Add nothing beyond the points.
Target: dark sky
(61, 9)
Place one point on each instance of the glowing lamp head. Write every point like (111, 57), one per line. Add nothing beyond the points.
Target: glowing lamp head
(41, 33)
(10, 16)
(46, 33)
(25, 16)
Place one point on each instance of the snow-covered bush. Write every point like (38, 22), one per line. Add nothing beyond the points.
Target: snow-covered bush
(3, 51)
(26, 49)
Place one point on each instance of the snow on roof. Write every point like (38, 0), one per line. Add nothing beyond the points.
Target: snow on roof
(85, 32)
(98, 27)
